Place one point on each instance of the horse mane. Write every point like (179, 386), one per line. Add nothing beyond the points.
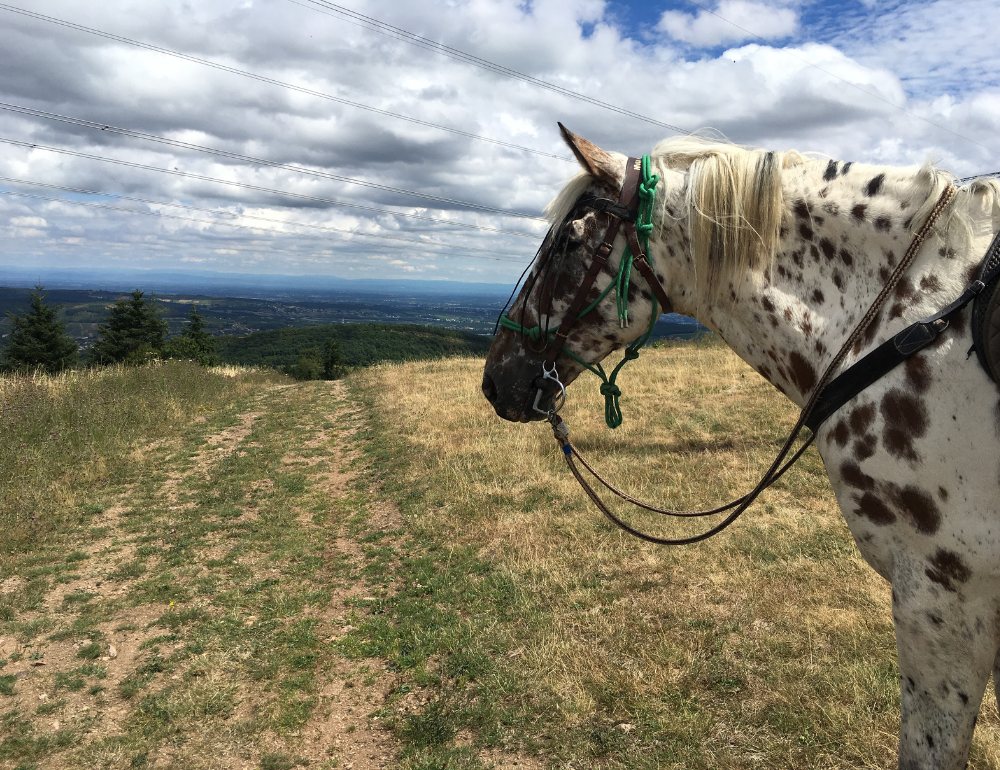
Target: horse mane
(735, 202)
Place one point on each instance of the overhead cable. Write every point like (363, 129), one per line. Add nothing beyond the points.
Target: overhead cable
(274, 82)
(247, 186)
(422, 42)
(221, 212)
(241, 227)
(257, 161)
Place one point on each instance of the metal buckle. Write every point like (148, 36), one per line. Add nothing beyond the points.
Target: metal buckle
(550, 374)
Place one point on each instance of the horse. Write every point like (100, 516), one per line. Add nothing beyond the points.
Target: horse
(780, 254)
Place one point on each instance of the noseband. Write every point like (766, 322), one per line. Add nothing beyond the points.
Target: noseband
(632, 215)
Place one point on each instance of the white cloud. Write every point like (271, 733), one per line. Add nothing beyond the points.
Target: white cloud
(755, 94)
(733, 21)
(28, 222)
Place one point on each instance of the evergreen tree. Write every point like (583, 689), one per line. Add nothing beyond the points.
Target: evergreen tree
(194, 341)
(334, 363)
(309, 366)
(39, 339)
(133, 332)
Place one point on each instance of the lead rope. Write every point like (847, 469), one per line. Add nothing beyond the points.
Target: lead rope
(777, 469)
(644, 227)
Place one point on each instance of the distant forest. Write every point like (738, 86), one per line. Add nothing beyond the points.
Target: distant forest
(362, 344)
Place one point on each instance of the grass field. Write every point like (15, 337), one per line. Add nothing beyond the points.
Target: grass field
(226, 569)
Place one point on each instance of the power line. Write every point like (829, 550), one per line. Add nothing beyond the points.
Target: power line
(247, 186)
(241, 227)
(422, 42)
(219, 212)
(274, 82)
(844, 80)
(258, 161)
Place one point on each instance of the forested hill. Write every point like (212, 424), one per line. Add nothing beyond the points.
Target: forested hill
(362, 344)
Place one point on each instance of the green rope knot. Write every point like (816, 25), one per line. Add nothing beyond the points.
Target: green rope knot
(631, 354)
(610, 389)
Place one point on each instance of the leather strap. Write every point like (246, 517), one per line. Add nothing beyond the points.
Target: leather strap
(904, 345)
(629, 199)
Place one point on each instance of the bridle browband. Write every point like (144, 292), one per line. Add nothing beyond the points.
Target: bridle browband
(826, 397)
(623, 215)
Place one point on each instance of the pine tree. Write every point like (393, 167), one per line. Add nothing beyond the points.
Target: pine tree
(333, 360)
(309, 366)
(133, 332)
(194, 341)
(38, 339)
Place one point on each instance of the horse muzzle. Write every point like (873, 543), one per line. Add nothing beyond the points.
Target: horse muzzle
(525, 399)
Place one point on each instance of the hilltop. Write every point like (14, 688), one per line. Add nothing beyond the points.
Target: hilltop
(379, 572)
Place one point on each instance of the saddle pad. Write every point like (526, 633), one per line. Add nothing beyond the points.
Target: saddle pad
(986, 317)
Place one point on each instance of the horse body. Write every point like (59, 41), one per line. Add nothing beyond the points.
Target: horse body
(914, 459)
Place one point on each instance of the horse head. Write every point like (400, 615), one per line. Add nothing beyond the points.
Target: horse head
(514, 381)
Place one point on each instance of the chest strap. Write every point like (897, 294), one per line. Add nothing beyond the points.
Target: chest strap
(904, 345)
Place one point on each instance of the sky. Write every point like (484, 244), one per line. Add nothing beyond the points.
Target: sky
(875, 81)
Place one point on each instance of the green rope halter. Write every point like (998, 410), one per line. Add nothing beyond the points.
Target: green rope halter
(643, 228)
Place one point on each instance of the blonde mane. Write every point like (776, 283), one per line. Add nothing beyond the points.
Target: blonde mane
(734, 196)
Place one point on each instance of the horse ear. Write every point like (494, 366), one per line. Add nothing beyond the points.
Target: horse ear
(594, 160)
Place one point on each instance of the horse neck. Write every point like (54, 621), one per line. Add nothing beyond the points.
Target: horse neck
(843, 230)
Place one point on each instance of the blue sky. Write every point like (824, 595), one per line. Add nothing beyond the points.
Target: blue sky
(893, 82)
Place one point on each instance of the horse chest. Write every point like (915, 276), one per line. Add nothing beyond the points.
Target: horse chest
(915, 464)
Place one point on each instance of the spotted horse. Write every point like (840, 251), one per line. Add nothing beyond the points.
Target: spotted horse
(781, 255)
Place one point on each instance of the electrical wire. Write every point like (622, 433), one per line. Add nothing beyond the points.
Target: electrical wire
(274, 82)
(257, 161)
(247, 186)
(255, 228)
(222, 213)
(398, 33)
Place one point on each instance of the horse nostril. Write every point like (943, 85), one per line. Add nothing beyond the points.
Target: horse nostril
(489, 389)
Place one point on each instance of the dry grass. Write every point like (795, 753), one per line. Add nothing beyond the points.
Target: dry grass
(769, 645)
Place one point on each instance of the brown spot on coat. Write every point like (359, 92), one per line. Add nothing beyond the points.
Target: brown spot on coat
(805, 231)
(865, 447)
(827, 247)
(874, 510)
(883, 224)
(905, 419)
(841, 434)
(874, 186)
(920, 508)
(801, 209)
(803, 374)
(862, 418)
(846, 258)
(947, 568)
(930, 284)
(818, 297)
(943, 494)
(858, 212)
(853, 476)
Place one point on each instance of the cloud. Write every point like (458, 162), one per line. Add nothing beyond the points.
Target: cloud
(766, 94)
(28, 222)
(708, 30)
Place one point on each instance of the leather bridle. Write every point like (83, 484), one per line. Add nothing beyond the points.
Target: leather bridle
(622, 215)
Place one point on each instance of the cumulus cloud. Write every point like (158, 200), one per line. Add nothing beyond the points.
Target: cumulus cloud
(765, 94)
(733, 21)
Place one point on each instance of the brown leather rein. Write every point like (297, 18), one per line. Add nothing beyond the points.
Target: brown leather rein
(623, 217)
